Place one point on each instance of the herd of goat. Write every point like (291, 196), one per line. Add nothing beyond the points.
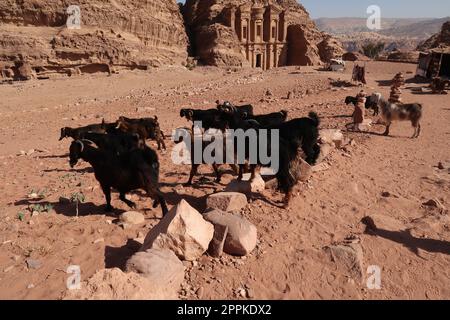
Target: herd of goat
(121, 159)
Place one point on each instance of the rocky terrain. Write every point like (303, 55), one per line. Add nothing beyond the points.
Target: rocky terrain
(439, 40)
(322, 247)
(115, 35)
(401, 34)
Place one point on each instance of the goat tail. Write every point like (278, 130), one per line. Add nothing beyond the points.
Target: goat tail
(315, 118)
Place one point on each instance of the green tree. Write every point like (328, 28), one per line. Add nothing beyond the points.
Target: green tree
(373, 49)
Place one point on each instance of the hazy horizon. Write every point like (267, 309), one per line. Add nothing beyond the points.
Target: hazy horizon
(400, 9)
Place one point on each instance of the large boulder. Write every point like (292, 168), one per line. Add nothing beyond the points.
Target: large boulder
(227, 201)
(182, 230)
(241, 238)
(161, 267)
(114, 284)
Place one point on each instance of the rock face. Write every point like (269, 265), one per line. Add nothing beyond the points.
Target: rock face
(267, 33)
(183, 231)
(348, 258)
(227, 201)
(242, 235)
(114, 284)
(113, 35)
(441, 39)
(161, 267)
(132, 217)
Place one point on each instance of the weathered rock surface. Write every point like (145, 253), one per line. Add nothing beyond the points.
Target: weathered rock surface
(114, 35)
(441, 39)
(348, 258)
(218, 241)
(333, 137)
(161, 267)
(227, 201)
(132, 218)
(114, 284)
(183, 231)
(202, 17)
(242, 235)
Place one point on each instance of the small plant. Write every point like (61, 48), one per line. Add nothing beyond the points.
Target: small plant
(21, 216)
(36, 193)
(77, 198)
(47, 207)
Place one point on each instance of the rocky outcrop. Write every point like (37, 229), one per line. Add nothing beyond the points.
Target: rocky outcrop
(439, 40)
(114, 35)
(330, 48)
(218, 45)
(303, 38)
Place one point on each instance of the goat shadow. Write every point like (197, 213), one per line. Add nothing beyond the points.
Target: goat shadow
(83, 170)
(69, 209)
(117, 257)
(388, 83)
(405, 238)
(55, 156)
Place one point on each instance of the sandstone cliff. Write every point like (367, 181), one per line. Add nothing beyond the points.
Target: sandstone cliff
(306, 44)
(114, 34)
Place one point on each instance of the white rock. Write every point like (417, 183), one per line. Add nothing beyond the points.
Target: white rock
(333, 137)
(242, 235)
(183, 230)
(245, 186)
(132, 218)
(227, 201)
(161, 267)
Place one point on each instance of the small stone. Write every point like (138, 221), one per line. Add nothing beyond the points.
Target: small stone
(132, 218)
(200, 291)
(33, 264)
(385, 194)
(99, 240)
(30, 286)
(435, 203)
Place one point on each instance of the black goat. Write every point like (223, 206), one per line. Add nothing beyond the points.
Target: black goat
(227, 106)
(189, 147)
(146, 128)
(372, 102)
(210, 119)
(136, 169)
(271, 119)
(115, 141)
(78, 133)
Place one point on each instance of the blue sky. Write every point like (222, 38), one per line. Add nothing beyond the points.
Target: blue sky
(389, 8)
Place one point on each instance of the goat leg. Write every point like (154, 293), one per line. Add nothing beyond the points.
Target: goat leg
(129, 203)
(388, 126)
(107, 193)
(217, 171)
(287, 199)
(158, 197)
(192, 174)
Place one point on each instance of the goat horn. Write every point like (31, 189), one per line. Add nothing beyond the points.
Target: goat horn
(81, 144)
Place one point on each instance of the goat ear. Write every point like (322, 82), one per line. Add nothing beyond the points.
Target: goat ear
(156, 118)
(191, 113)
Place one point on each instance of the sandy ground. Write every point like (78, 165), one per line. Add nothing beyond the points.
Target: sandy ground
(387, 178)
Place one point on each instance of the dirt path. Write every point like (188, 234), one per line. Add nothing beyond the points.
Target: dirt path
(387, 178)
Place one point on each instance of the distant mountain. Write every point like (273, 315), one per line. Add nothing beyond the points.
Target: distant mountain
(401, 34)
